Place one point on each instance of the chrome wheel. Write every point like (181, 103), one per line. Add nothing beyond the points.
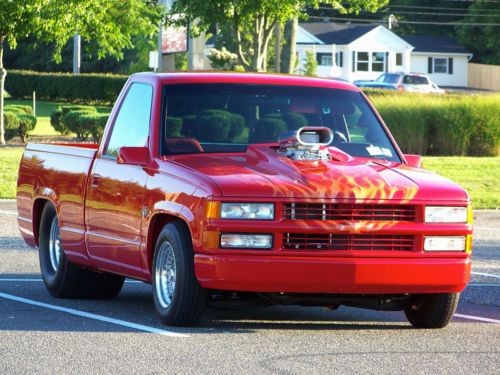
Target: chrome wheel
(54, 245)
(165, 274)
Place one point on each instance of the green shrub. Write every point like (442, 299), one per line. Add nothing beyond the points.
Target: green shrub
(268, 129)
(237, 122)
(72, 122)
(56, 117)
(174, 126)
(94, 123)
(11, 125)
(293, 120)
(102, 88)
(56, 121)
(213, 128)
(26, 124)
(20, 108)
(189, 126)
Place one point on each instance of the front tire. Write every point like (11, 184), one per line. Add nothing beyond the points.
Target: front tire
(62, 278)
(177, 295)
(432, 310)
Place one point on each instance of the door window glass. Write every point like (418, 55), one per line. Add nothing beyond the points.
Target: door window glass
(131, 127)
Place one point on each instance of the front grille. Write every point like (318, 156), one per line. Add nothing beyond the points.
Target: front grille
(347, 242)
(348, 212)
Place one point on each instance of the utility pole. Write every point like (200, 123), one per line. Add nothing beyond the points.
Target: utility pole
(390, 21)
(166, 62)
(76, 54)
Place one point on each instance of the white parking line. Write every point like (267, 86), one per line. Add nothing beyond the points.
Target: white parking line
(483, 284)
(487, 228)
(478, 318)
(485, 274)
(39, 280)
(84, 314)
(8, 212)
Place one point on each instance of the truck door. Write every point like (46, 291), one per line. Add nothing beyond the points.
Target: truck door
(116, 192)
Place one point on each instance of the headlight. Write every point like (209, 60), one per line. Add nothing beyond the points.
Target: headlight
(246, 241)
(248, 211)
(439, 214)
(444, 243)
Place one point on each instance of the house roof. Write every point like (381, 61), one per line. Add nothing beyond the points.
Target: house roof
(337, 33)
(442, 44)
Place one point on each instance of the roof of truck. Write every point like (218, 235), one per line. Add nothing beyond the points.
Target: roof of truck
(247, 78)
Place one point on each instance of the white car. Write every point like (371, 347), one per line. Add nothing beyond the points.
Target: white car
(410, 82)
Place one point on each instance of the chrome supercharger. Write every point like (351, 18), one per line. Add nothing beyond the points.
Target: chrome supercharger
(306, 143)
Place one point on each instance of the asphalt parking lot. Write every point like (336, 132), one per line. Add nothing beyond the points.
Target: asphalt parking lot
(41, 334)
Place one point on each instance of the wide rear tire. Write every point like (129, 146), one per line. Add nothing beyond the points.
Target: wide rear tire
(178, 297)
(62, 278)
(432, 310)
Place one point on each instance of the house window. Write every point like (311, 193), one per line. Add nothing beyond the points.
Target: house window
(440, 65)
(324, 59)
(399, 59)
(378, 61)
(363, 62)
(339, 59)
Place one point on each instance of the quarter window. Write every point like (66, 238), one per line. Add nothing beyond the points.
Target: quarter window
(131, 127)
(399, 59)
(440, 65)
(362, 62)
(324, 59)
(378, 61)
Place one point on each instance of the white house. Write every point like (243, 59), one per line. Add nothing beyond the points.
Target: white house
(362, 52)
(441, 58)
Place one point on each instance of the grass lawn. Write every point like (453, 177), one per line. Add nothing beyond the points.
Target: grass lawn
(480, 176)
(9, 163)
(43, 112)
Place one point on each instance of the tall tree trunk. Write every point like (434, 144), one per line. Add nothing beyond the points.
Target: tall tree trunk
(3, 73)
(277, 48)
(289, 48)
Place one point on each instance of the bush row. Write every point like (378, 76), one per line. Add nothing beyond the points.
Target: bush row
(443, 125)
(102, 88)
(84, 121)
(18, 120)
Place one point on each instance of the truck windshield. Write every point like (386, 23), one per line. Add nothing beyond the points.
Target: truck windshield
(226, 118)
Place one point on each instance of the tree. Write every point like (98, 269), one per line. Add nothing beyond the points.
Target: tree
(310, 64)
(111, 24)
(483, 40)
(258, 16)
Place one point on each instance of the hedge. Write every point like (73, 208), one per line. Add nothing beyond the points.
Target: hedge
(446, 125)
(102, 88)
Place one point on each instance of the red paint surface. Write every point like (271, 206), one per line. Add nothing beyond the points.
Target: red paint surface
(108, 211)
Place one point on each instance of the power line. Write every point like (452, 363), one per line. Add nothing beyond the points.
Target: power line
(408, 22)
(440, 8)
(438, 14)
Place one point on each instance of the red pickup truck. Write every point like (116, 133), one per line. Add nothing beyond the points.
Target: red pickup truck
(225, 189)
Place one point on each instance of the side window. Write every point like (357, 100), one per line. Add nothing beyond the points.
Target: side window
(131, 127)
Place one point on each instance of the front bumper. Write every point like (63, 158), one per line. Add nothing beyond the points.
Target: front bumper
(292, 274)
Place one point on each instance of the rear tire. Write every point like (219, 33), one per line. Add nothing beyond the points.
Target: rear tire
(62, 278)
(432, 310)
(178, 297)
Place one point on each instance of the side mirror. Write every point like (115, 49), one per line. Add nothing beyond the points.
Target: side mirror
(416, 161)
(133, 156)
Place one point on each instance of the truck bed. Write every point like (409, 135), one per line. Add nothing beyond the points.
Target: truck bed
(57, 172)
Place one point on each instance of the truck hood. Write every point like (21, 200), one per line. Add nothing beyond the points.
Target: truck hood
(262, 172)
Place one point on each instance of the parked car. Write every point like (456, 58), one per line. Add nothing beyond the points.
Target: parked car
(410, 82)
(225, 188)
(375, 85)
